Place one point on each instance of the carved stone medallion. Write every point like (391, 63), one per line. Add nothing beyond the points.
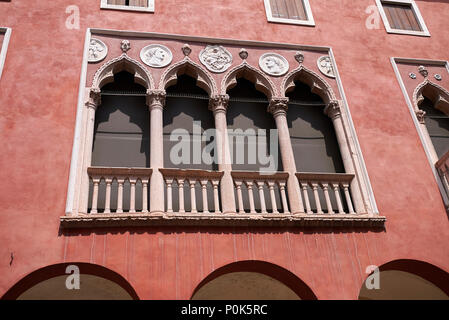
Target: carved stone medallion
(156, 55)
(273, 64)
(216, 58)
(97, 50)
(326, 67)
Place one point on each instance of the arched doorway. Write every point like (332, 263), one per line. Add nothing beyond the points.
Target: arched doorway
(252, 280)
(49, 283)
(408, 280)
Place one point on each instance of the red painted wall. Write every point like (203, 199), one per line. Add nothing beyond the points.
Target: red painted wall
(38, 100)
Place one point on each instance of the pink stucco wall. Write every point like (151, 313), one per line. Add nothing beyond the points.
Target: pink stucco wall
(38, 100)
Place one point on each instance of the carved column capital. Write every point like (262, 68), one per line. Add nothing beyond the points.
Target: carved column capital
(156, 98)
(278, 106)
(333, 110)
(94, 98)
(420, 116)
(219, 103)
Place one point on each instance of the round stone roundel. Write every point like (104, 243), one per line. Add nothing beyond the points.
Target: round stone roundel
(156, 55)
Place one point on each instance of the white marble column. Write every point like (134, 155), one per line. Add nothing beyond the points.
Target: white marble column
(93, 101)
(156, 102)
(218, 105)
(278, 107)
(333, 110)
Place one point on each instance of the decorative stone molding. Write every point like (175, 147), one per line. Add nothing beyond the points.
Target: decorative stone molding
(423, 71)
(156, 55)
(316, 83)
(333, 110)
(97, 50)
(186, 66)
(278, 106)
(216, 58)
(299, 57)
(243, 54)
(186, 50)
(105, 74)
(438, 94)
(273, 64)
(325, 66)
(219, 103)
(420, 116)
(261, 82)
(221, 220)
(94, 98)
(156, 98)
(125, 45)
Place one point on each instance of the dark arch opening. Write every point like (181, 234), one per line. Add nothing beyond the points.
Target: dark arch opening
(57, 270)
(437, 124)
(312, 133)
(409, 279)
(285, 277)
(121, 136)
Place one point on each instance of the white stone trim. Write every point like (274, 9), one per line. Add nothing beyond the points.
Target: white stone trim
(364, 178)
(78, 128)
(7, 32)
(424, 142)
(104, 5)
(309, 22)
(424, 33)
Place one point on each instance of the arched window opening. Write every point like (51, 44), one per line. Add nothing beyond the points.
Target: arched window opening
(121, 137)
(253, 144)
(437, 124)
(312, 134)
(189, 139)
(249, 128)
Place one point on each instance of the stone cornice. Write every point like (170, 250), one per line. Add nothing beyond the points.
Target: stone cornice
(220, 220)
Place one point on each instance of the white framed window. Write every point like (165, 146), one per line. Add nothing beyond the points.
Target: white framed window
(289, 11)
(402, 17)
(129, 5)
(5, 34)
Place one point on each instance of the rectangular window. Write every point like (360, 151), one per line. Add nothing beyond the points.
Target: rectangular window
(289, 11)
(402, 17)
(130, 5)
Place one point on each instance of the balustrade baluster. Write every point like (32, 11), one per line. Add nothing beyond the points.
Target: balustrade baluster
(272, 197)
(325, 186)
(144, 195)
(107, 204)
(169, 182)
(238, 186)
(96, 182)
(204, 183)
(181, 194)
(317, 197)
(192, 182)
(249, 186)
(215, 184)
(120, 182)
(283, 197)
(336, 187)
(304, 186)
(348, 197)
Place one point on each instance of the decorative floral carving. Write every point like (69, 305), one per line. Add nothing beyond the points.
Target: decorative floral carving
(97, 50)
(278, 105)
(420, 116)
(156, 98)
(186, 50)
(273, 64)
(219, 103)
(94, 98)
(423, 71)
(438, 77)
(333, 109)
(299, 57)
(156, 55)
(125, 45)
(243, 54)
(412, 75)
(326, 67)
(216, 58)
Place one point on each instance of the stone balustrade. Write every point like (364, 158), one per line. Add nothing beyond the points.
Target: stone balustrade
(442, 166)
(119, 176)
(272, 184)
(326, 190)
(190, 181)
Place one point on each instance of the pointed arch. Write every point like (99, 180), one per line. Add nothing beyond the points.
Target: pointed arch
(316, 83)
(186, 66)
(261, 82)
(105, 74)
(437, 94)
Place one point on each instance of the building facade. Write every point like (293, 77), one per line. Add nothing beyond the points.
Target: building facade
(276, 149)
